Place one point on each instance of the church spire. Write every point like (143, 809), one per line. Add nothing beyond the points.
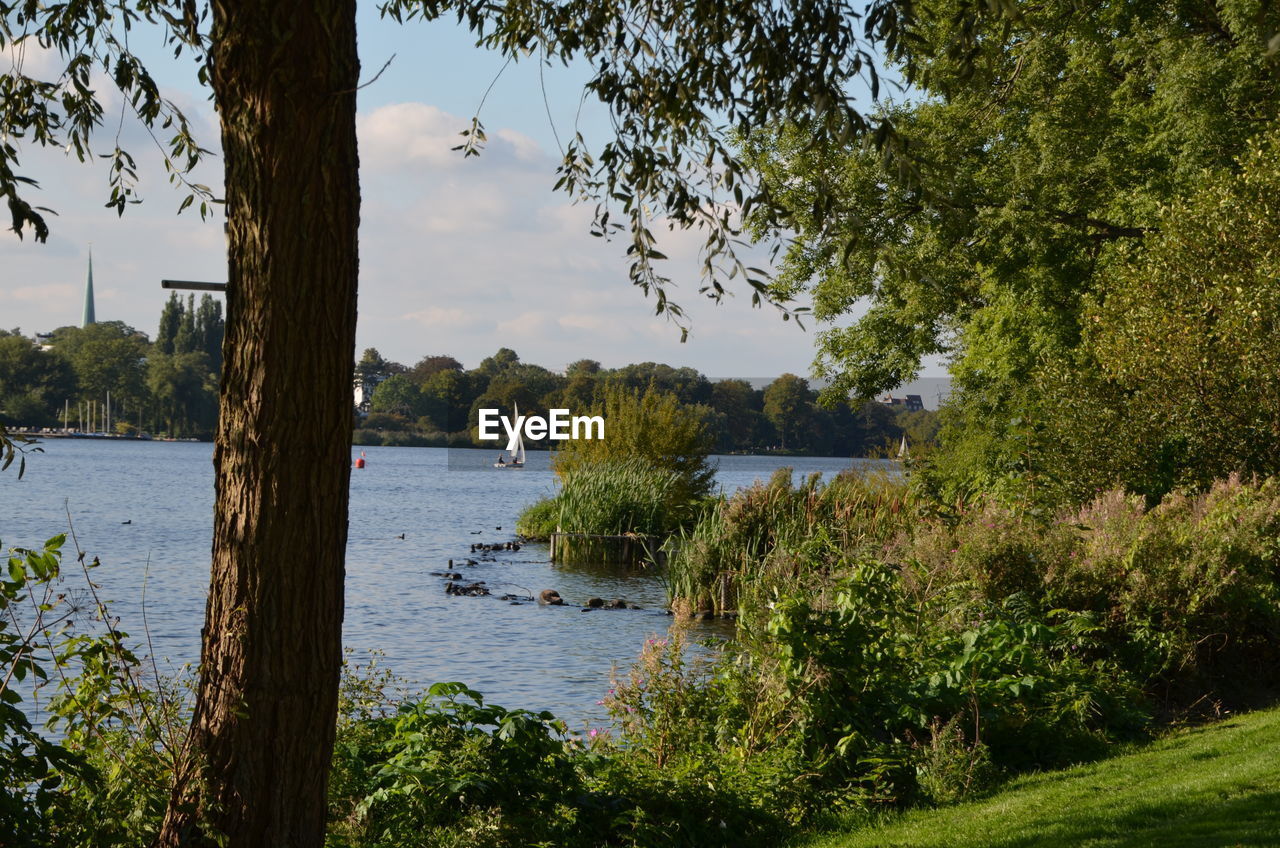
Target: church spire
(88, 296)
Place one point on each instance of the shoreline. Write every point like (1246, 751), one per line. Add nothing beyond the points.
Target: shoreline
(113, 437)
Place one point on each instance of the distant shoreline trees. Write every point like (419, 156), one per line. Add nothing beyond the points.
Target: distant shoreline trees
(436, 402)
(169, 386)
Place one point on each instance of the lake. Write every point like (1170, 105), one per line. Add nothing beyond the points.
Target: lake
(443, 501)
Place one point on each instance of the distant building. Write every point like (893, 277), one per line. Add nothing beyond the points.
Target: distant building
(911, 403)
(88, 317)
(363, 387)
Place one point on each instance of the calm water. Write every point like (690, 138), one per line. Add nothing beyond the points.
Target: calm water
(555, 658)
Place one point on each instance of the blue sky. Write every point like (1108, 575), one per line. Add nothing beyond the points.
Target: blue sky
(457, 256)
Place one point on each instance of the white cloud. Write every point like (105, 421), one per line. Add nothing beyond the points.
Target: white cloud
(435, 316)
(392, 137)
(423, 137)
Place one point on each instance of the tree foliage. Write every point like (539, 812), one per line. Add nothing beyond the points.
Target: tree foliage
(63, 110)
(1177, 381)
(654, 427)
(1041, 144)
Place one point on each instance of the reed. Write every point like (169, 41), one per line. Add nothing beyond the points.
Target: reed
(617, 498)
(773, 536)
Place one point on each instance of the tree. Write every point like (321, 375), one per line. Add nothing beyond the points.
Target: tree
(1177, 385)
(109, 356)
(210, 330)
(33, 383)
(448, 399)
(740, 405)
(588, 367)
(686, 383)
(788, 404)
(397, 396)
(284, 75)
(186, 391)
(492, 366)
(653, 427)
(187, 339)
(170, 320)
(430, 365)
(373, 366)
(1037, 156)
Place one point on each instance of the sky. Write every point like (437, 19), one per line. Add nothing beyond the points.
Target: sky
(458, 256)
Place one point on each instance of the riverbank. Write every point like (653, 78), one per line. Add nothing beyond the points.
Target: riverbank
(40, 435)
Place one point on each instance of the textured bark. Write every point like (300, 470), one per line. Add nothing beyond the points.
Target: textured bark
(284, 76)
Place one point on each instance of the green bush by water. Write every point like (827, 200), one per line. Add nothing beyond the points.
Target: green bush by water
(611, 498)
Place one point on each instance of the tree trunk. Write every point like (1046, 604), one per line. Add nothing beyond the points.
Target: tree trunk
(284, 74)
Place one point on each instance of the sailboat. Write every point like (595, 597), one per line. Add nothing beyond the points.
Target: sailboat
(903, 451)
(517, 458)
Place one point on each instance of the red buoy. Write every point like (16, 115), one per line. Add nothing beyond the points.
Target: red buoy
(360, 462)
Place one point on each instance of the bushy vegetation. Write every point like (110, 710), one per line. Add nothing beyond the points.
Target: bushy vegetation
(748, 546)
(650, 427)
(102, 776)
(617, 498)
(888, 652)
(649, 477)
(1185, 595)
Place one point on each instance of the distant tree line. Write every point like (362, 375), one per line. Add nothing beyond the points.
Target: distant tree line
(436, 402)
(165, 387)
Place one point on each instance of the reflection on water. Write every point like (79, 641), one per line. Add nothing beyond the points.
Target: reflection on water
(518, 655)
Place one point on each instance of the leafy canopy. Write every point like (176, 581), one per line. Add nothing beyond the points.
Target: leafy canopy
(1056, 135)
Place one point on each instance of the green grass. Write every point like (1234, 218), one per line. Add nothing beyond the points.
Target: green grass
(1211, 786)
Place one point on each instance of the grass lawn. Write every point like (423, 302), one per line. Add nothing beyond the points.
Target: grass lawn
(1211, 786)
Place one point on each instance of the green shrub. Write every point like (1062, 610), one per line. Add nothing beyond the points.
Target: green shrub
(653, 428)
(1189, 591)
(107, 777)
(611, 498)
(450, 770)
(538, 519)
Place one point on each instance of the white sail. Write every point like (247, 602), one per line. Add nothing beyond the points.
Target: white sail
(518, 458)
(903, 452)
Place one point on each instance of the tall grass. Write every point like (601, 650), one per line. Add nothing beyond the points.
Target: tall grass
(611, 499)
(762, 539)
